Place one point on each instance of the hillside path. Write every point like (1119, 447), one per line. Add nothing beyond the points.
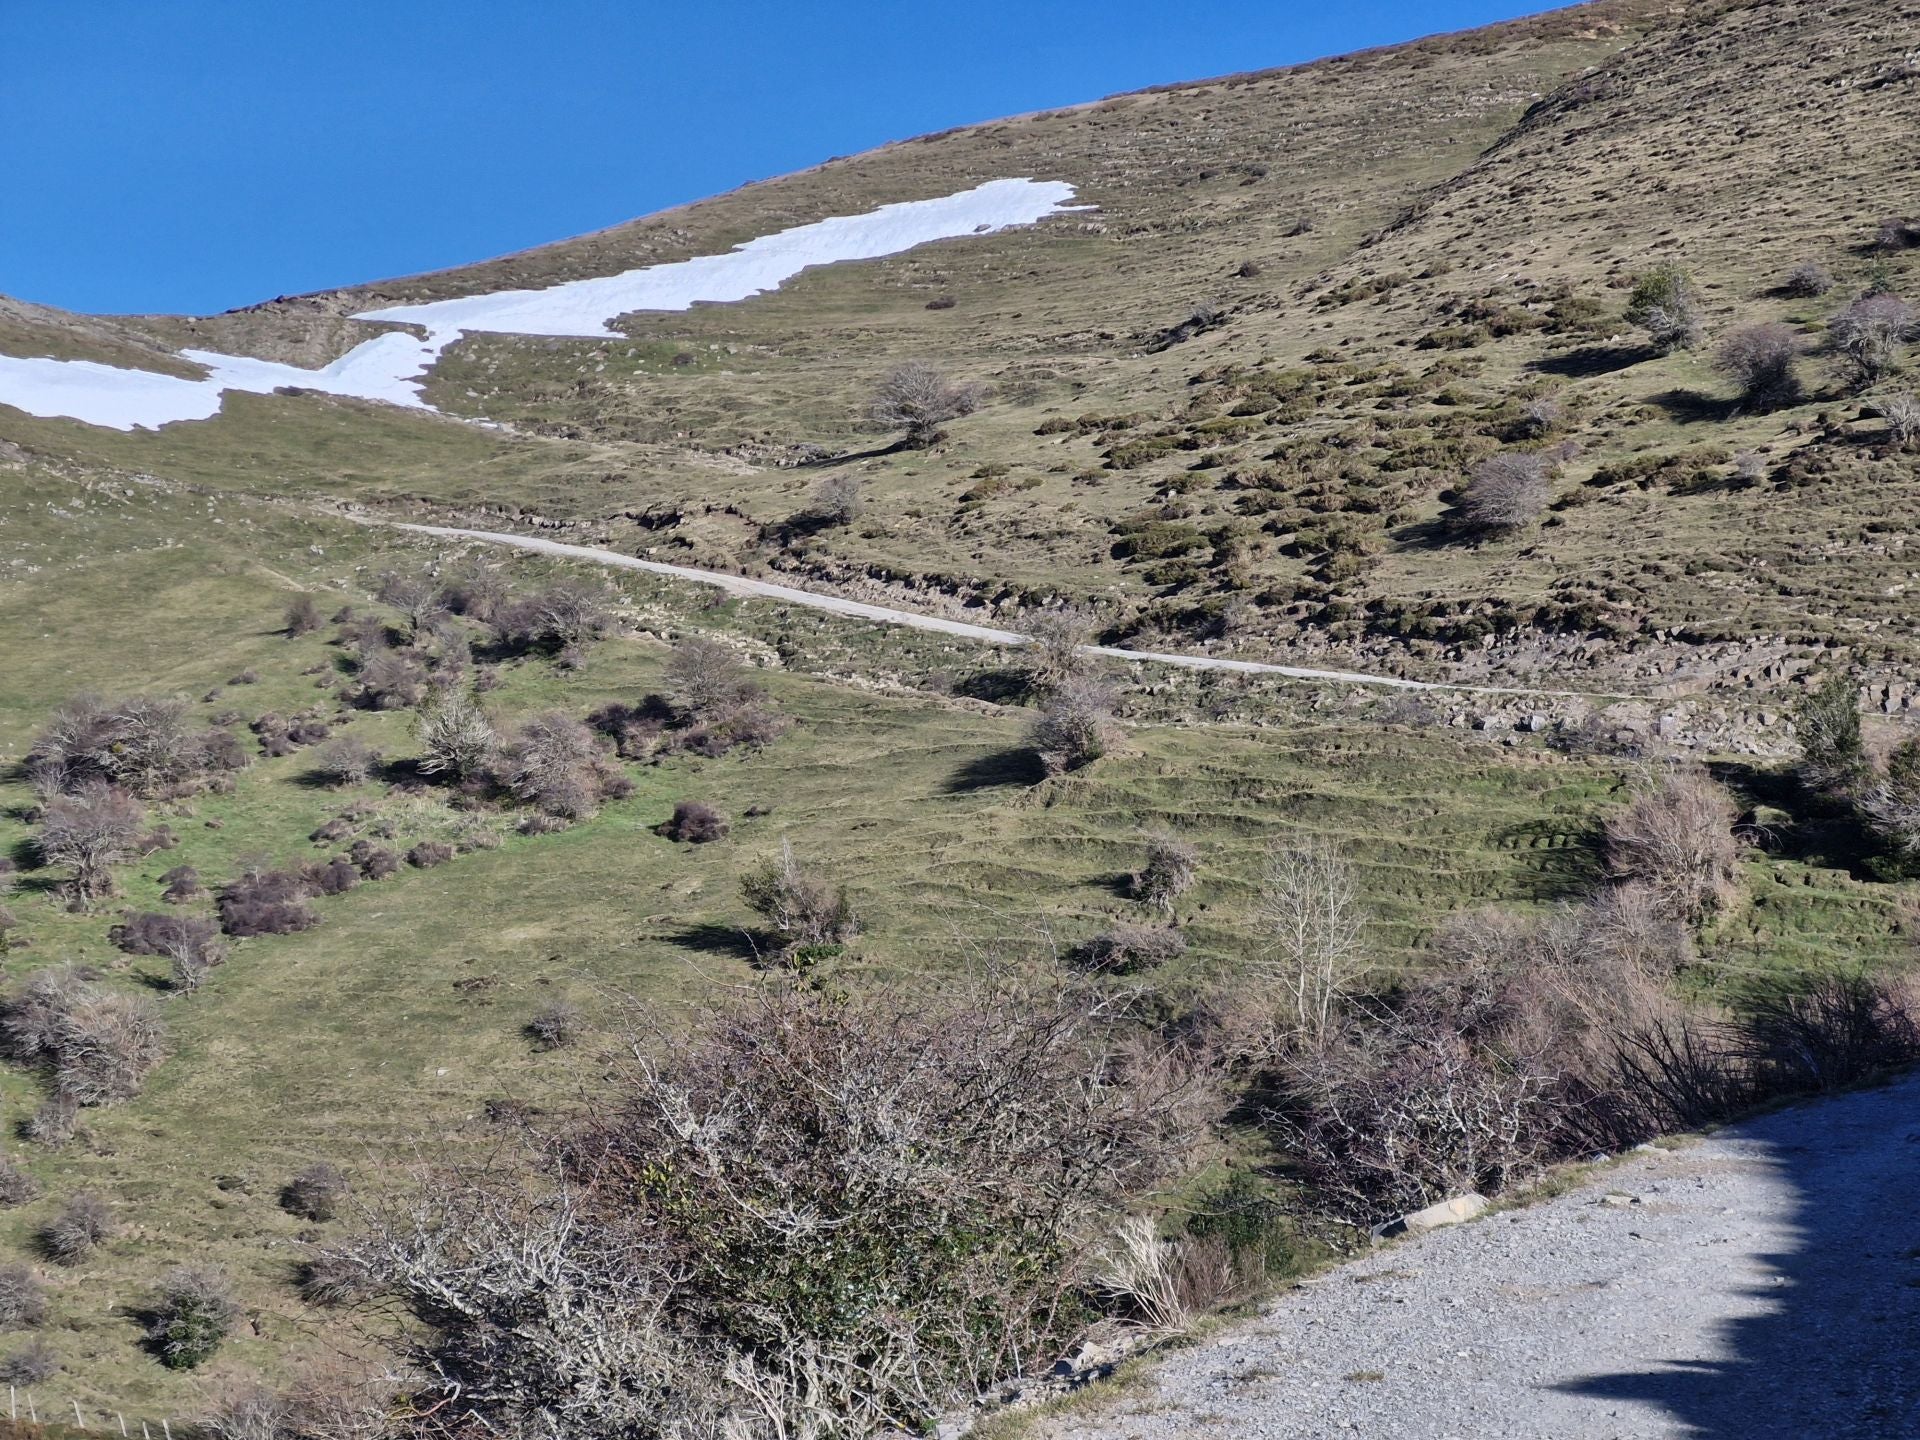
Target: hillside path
(1763, 1282)
(813, 600)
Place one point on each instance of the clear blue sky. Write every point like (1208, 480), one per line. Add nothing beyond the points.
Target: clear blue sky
(192, 155)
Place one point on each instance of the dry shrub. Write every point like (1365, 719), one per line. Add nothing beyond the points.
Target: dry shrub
(919, 399)
(1667, 306)
(1676, 839)
(87, 833)
(1056, 653)
(188, 937)
(1867, 336)
(80, 1225)
(1165, 1285)
(836, 500)
(391, 680)
(302, 616)
(429, 853)
(1507, 492)
(1807, 280)
(140, 742)
(345, 761)
(182, 885)
(557, 1025)
(849, 1212)
(1902, 414)
(266, 902)
(16, 1186)
(695, 823)
(1171, 867)
(32, 1364)
(104, 1047)
(706, 679)
(456, 737)
(806, 913)
(1126, 949)
(23, 1303)
(1760, 359)
(316, 1193)
(1076, 726)
(554, 764)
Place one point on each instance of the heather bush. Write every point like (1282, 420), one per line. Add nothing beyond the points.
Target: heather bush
(316, 1193)
(695, 823)
(266, 902)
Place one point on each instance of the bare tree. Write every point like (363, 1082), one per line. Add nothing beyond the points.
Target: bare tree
(919, 399)
(415, 596)
(1902, 414)
(1867, 337)
(552, 763)
(456, 736)
(1055, 653)
(705, 678)
(1314, 929)
(88, 833)
(1760, 360)
(1676, 838)
(1507, 492)
(837, 499)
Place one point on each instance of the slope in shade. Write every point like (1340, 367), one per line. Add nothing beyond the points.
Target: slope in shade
(391, 366)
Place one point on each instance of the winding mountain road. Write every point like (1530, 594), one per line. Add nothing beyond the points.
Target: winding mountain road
(741, 585)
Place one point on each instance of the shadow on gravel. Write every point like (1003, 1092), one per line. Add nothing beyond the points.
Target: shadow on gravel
(1826, 1340)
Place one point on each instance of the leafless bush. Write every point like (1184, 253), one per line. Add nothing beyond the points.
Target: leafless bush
(1165, 1285)
(1542, 415)
(32, 1364)
(23, 1303)
(1171, 867)
(1507, 492)
(303, 616)
(141, 742)
(1760, 359)
(1902, 413)
(1841, 1030)
(1075, 727)
(391, 680)
(79, 1226)
(182, 884)
(1055, 654)
(16, 1186)
(919, 399)
(53, 1124)
(695, 823)
(1125, 949)
(456, 737)
(88, 833)
(345, 761)
(316, 1193)
(805, 911)
(190, 943)
(846, 1212)
(553, 764)
(266, 902)
(558, 1025)
(105, 1044)
(1676, 838)
(1867, 337)
(1896, 232)
(1314, 954)
(705, 678)
(837, 499)
(1667, 306)
(415, 596)
(1807, 280)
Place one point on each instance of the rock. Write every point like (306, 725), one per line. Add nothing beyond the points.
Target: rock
(1435, 1216)
(1535, 723)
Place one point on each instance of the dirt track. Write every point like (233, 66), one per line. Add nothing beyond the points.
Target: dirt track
(1762, 1283)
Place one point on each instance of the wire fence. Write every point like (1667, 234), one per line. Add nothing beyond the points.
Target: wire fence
(47, 1415)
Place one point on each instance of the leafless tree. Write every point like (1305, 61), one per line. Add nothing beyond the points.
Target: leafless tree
(88, 833)
(1509, 491)
(1868, 335)
(1055, 653)
(1313, 925)
(415, 596)
(551, 763)
(705, 678)
(1902, 414)
(1760, 360)
(457, 738)
(1076, 726)
(1676, 838)
(837, 499)
(919, 399)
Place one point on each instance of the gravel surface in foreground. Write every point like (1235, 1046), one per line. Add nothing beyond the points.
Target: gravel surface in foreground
(1764, 1282)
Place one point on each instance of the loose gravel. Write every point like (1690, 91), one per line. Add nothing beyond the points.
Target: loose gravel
(1762, 1282)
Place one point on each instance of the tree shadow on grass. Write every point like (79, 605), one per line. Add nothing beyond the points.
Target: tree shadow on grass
(1690, 407)
(1000, 685)
(1018, 767)
(708, 938)
(1591, 360)
(1817, 831)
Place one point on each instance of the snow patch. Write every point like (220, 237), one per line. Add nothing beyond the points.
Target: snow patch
(391, 367)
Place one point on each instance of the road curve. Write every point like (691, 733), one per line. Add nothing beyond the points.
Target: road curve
(741, 585)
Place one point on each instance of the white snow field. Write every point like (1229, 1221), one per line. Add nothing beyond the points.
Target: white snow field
(390, 367)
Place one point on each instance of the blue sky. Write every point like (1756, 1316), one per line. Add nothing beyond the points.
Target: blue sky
(192, 155)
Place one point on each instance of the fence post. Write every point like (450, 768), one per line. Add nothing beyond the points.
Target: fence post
(13, 1403)
(166, 1427)
(32, 1414)
(78, 1421)
(123, 1421)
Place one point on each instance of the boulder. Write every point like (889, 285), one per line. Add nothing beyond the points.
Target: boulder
(1435, 1216)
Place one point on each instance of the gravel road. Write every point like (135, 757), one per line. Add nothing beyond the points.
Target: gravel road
(1764, 1282)
(885, 615)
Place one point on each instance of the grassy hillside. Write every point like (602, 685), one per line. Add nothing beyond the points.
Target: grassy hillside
(1232, 407)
